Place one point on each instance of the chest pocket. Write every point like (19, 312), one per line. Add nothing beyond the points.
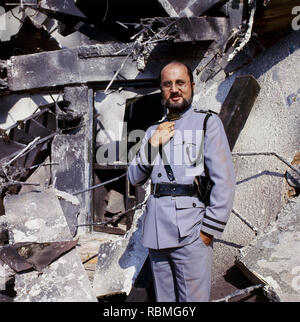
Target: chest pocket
(189, 152)
(193, 154)
(193, 151)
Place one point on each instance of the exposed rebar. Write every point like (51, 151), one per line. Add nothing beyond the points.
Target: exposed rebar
(267, 153)
(115, 217)
(245, 221)
(100, 184)
(239, 292)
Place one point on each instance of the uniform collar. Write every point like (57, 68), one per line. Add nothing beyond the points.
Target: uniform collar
(177, 116)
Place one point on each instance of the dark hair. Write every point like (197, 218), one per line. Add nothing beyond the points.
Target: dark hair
(190, 73)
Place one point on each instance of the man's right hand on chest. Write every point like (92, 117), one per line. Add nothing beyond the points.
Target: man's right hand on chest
(163, 133)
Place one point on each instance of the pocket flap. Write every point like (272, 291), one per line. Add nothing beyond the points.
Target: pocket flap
(188, 202)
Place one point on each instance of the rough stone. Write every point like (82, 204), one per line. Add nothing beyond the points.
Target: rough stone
(6, 274)
(272, 125)
(120, 261)
(115, 202)
(41, 175)
(274, 257)
(35, 221)
(88, 247)
(3, 230)
(69, 173)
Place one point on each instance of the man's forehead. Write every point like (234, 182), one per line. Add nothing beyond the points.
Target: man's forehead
(175, 67)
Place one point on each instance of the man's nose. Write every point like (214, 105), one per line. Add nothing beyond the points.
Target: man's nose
(174, 88)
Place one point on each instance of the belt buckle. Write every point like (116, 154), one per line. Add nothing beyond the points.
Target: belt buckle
(173, 197)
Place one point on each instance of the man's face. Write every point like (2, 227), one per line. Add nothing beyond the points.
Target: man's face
(176, 87)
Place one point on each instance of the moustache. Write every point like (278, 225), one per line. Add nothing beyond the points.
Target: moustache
(175, 95)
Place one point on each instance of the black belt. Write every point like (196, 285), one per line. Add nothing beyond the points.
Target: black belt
(173, 189)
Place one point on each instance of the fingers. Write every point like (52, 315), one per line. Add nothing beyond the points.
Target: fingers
(164, 132)
(169, 126)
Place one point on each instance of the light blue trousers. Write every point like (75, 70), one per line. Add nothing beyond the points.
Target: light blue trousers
(182, 274)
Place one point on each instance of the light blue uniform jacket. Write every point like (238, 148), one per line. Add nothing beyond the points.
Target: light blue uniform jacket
(176, 221)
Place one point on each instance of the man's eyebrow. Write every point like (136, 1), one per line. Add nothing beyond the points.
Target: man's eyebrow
(177, 80)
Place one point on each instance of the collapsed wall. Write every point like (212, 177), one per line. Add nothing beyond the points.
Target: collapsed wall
(72, 87)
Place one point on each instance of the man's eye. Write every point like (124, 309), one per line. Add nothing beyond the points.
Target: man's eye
(180, 83)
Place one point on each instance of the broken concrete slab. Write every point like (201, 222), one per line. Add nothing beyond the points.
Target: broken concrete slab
(13, 23)
(88, 247)
(191, 29)
(186, 8)
(3, 230)
(16, 107)
(272, 125)
(8, 147)
(66, 7)
(70, 66)
(37, 18)
(42, 176)
(26, 256)
(120, 261)
(274, 257)
(65, 279)
(82, 35)
(79, 147)
(6, 274)
(69, 173)
(115, 202)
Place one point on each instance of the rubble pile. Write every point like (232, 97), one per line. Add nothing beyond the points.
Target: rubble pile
(76, 78)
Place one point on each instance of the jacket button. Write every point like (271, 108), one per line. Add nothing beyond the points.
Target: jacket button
(194, 205)
(159, 174)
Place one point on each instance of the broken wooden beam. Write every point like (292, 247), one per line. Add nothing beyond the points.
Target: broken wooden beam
(237, 106)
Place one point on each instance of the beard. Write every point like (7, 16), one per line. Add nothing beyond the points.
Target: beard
(179, 107)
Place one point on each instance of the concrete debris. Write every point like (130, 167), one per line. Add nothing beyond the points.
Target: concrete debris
(3, 230)
(67, 7)
(13, 20)
(120, 261)
(273, 258)
(63, 280)
(69, 174)
(25, 256)
(6, 275)
(186, 8)
(115, 202)
(76, 78)
(247, 290)
(190, 29)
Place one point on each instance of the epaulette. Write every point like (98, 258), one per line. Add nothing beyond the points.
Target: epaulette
(205, 111)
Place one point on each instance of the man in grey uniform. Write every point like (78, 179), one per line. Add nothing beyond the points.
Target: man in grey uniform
(178, 229)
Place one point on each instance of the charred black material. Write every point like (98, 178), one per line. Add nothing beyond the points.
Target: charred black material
(237, 106)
